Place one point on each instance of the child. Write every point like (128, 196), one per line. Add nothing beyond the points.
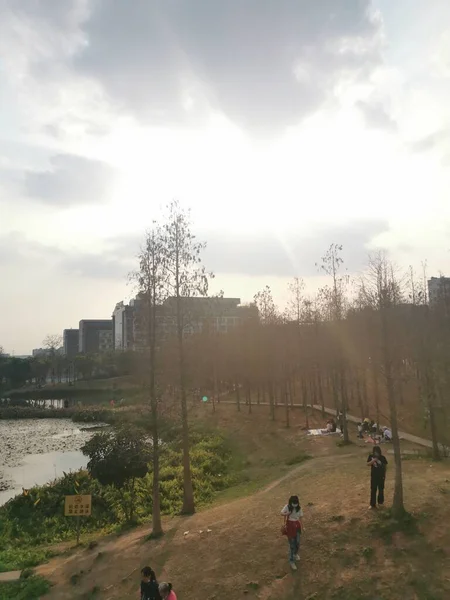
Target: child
(293, 514)
(149, 585)
(166, 591)
(377, 463)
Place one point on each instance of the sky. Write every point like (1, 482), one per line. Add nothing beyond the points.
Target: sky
(284, 125)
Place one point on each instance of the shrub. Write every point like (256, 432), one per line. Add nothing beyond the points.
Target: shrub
(31, 588)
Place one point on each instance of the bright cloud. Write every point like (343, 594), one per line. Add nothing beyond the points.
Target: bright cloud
(285, 126)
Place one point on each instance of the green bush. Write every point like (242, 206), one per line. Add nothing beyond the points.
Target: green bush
(31, 588)
(14, 558)
(38, 518)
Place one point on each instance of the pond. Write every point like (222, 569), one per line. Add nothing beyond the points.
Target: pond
(36, 451)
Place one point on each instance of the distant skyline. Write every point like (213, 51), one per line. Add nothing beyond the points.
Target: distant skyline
(285, 126)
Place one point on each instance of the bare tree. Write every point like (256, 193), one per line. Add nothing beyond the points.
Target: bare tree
(151, 278)
(269, 318)
(186, 277)
(334, 302)
(53, 343)
(382, 288)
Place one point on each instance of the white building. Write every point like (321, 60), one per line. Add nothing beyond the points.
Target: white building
(122, 319)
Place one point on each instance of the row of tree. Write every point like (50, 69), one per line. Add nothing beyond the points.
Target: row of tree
(370, 345)
(55, 368)
(367, 345)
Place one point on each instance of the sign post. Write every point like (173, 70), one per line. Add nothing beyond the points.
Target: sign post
(78, 506)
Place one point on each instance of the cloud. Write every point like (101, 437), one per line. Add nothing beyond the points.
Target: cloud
(289, 255)
(431, 141)
(97, 266)
(376, 116)
(70, 180)
(252, 254)
(264, 64)
(22, 253)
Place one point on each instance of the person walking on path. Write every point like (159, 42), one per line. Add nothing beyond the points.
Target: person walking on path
(293, 526)
(377, 463)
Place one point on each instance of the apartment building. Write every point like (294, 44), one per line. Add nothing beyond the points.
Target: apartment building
(95, 335)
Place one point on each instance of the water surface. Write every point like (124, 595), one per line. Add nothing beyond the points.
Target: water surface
(35, 451)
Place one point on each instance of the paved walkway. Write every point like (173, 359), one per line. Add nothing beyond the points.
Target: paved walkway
(330, 411)
(9, 576)
(403, 436)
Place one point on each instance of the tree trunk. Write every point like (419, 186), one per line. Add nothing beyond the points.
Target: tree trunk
(238, 396)
(305, 403)
(216, 389)
(286, 405)
(434, 434)
(344, 405)
(376, 390)
(360, 398)
(321, 397)
(431, 395)
(398, 508)
(271, 401)
(188, 490)
(334, 389)
(364, 395)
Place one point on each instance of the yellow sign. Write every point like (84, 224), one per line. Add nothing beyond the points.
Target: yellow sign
(76, 506)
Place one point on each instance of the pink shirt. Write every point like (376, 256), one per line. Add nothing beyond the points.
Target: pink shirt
(172, 596)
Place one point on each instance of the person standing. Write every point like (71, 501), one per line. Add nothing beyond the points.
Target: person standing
(149, 585)
(293, 526)
(377, 463)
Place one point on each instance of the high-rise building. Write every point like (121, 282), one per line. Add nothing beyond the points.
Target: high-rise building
(95, 335)
(122, 329)
(71, 342)
(439, 291)
(218, 314)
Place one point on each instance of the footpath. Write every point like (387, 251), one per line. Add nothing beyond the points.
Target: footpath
(403, 436)
(330, 411)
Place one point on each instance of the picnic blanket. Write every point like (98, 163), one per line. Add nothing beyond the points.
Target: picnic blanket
(323, 432)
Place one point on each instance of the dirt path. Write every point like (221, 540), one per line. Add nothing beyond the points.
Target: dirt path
(114, 564)
(235, 550)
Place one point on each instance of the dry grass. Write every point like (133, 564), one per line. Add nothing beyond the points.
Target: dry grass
(348, 553)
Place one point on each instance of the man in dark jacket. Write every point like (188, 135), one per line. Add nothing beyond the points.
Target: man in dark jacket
(377, 463)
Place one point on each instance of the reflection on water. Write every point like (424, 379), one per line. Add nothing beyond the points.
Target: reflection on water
(35, 451)
(38, 469)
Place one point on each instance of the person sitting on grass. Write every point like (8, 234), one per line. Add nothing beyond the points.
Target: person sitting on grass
(166, 591)
(377, 463)
(149, 585)
(387, 434)
(331, 426)
(293, 526)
